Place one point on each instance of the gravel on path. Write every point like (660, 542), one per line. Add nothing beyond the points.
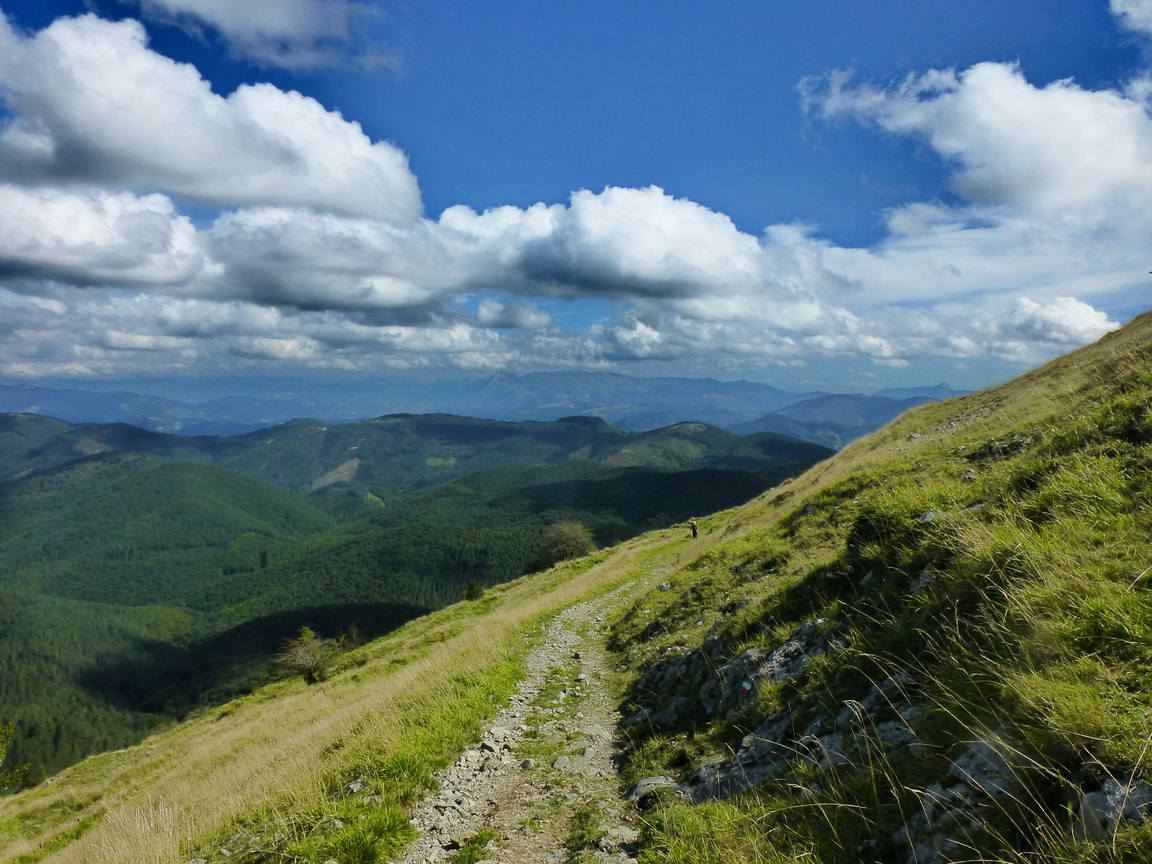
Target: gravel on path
(541, 787)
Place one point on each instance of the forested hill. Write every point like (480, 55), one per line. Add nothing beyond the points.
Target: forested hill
(401, 451)
(146, 574)
(932, 647)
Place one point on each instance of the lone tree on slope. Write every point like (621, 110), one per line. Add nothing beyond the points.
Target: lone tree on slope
(563, 542)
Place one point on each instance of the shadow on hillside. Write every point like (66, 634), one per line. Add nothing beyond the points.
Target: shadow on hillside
(643, 499)
(160, 678)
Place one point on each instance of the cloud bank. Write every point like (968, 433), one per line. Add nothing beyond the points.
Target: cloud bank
(320, 254)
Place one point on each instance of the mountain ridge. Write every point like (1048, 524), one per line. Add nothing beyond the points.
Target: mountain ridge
(633, 402)
(931, 643)
(235, 542)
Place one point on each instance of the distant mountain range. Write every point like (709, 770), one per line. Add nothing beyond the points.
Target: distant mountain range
(636, 404)
(833, 420)
(143, 574)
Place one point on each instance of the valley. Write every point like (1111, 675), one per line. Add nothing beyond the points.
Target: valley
(930, 646)
(147, 576)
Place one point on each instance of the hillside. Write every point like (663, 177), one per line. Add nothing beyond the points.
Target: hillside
(933, 646)
(152, 412)
(837, 419)
(397, 452)
(144, 579)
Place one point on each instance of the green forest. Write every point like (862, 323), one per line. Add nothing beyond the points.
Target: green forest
(145, 576)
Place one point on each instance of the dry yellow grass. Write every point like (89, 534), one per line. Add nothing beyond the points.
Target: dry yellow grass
(195, 779)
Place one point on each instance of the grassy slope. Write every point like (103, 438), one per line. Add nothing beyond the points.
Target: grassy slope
(1037, 629)
(277, 759)
(1034, 631)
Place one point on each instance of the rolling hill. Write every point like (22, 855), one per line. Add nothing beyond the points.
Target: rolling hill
(634, 403)
(834, 420)
(933, 646)
(165, 572)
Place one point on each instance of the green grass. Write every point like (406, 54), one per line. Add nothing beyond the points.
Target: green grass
(368, 837)
(395, 775)
(584, 831)
(62, 839)
(473, 848)
(749, 831)
(1033, 624)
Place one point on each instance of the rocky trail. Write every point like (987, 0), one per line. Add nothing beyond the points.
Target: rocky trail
(541, 787)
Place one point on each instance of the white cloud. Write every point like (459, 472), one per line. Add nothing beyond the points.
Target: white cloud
(324, 261)
(287, 33)
(1019, 330)
(1133, 14)
(623, 245)
(1015, 144)
(95, 236)
(1064, 321)
(641, 242)
(92, 103)
(524, 316)
(277, 348)
(97, 332)
(643, 245)
(1054, 179)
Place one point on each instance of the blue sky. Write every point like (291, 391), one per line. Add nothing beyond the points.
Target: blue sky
(812, 193)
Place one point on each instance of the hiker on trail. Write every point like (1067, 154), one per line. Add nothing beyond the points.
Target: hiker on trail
(694, 527)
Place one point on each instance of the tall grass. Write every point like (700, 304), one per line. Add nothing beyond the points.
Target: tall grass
(275, 763)
(1009, 591)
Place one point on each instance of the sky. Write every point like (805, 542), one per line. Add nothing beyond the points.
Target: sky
(830, 193)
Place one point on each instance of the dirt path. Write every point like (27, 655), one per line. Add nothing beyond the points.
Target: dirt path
(542, 787)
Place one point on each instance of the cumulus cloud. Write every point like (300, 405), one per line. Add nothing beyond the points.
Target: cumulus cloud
(1018, 330)
(624, 245)
(1042, 148)
(87, 332)
(1065, 321)
(640, 242)
(287, 33)
(282, 256)
(95, 236)
(522, 316)
(322, 259)
(91, 103)
(643, 246)
(1053, 182)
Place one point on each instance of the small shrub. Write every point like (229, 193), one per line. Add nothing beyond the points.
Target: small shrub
(309, 655)
(364, 838)
(585, 829)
